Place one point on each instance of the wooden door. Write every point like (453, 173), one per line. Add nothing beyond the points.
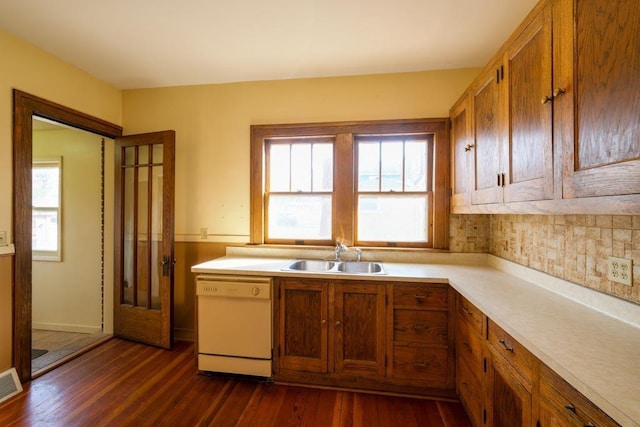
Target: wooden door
(488, 134)
(303, 317)
(529, 169)
(598, 62)
(461, 153)
(144, 221)
(359, 322)
(508, 401)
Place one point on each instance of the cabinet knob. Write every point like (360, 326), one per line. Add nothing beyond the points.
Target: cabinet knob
(338, 324)
(324, 322)
(468, 147)
(558, 92)
(546, 99)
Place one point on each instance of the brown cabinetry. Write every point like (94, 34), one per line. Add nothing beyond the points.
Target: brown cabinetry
(334, 328)
(462, 145)
(421, 335)
(366, 335)
(470, 337)
(559, 102)
(598, 63)
(563, 405)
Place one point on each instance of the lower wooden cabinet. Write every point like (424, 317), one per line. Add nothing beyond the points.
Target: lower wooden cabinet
(365, 335)
(563, 405)
(509, 401)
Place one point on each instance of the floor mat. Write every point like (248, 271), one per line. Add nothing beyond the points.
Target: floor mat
(36, 352)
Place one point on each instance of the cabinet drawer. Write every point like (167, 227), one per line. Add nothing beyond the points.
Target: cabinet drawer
(568, 404)
(469, 345)
(427, 296)
(469, 313)
(470, 392)
(420, 326)
(519, 357)
(421, 364)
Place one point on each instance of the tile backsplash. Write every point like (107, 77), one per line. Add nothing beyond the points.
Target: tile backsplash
(571, 247)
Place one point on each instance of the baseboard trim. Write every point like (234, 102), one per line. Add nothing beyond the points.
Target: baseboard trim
(66, 328)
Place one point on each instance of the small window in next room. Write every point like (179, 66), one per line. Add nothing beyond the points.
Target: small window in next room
(375, 183)
(46, 209)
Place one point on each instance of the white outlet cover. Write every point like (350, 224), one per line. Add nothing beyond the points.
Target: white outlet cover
(620, 270)
(3, 238)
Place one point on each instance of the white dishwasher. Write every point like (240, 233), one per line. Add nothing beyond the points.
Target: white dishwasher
(234, 324)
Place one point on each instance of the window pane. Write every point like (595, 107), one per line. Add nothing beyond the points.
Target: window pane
(279, 162)
(44, 230)
(300, 217)
(392, 218)
(391, 166)
(46, 186)
(415, 172)
(322, 167)
(368, 166)
(300, 167)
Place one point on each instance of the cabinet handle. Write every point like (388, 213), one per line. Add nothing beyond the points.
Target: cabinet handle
(570, 407)
(420, 327)
(466, 311)
(324, 322)
(420, 298)
(559, 92)
(546, 99)
(466, 387)
(589, 424)
(506, 346)
(467, 347)
(468, 147)
(338, 324)
(419, 364)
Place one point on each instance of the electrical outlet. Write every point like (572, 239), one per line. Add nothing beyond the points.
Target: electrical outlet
(204, 233)
(3, 238)
(620, 270)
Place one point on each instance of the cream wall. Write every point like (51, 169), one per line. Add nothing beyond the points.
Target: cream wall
(31, 70)
(212, 130)
(67, 295)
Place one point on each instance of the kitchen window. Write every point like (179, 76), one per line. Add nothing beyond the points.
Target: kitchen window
(374, 183)
(46, 209)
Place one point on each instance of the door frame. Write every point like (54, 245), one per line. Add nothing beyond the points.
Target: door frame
(25, 106)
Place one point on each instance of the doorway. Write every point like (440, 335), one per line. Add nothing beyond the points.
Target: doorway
(25, 108)
(68, 244)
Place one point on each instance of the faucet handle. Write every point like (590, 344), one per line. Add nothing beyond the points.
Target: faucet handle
(358, 254)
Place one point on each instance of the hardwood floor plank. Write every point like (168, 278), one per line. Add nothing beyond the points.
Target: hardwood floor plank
(122, 383)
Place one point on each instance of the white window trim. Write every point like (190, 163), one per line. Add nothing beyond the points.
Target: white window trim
(54, 256)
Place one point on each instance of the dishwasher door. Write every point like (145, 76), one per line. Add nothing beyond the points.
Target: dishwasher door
(234, 324)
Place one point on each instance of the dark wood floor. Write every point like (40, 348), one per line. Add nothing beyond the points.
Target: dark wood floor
(122, 383)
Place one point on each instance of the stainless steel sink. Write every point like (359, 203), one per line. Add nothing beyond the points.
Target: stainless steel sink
(362, 267)
(312, 265)
(347, 267)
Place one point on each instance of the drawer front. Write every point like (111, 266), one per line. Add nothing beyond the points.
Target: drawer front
(420, 326)
(470, 392)
(421, 296)
(469, 345)
(421, 364)
(469, 313)
(568, 404)
(519, 357)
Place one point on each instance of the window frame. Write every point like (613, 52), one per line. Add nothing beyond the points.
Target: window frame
(344, 208)
(44, 255)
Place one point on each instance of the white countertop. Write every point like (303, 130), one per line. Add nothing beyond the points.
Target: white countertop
(596, 353)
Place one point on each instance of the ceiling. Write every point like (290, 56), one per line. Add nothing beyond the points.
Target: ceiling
(155, 43)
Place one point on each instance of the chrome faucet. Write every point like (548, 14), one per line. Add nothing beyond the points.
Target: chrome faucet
(358, 254)
(340, 248)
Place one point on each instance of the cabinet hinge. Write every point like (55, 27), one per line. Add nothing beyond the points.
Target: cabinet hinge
(502, 72)
(385, 361)
(538, 423)
(278, 351)
(497, 76)
(484, 416)
(484, 365)
(502, 180)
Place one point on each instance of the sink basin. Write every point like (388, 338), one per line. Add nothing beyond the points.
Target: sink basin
(347, 267)
(355, 267)
(312, 265)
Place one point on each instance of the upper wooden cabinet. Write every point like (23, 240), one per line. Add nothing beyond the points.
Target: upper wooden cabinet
(554, 115)
(599, 68)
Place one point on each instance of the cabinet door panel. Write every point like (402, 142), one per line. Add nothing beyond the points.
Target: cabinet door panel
(488, 138)
(602, 148)
(303, 331)
(462, 153)
(510, 401)
(530, 173)
(359, 328)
